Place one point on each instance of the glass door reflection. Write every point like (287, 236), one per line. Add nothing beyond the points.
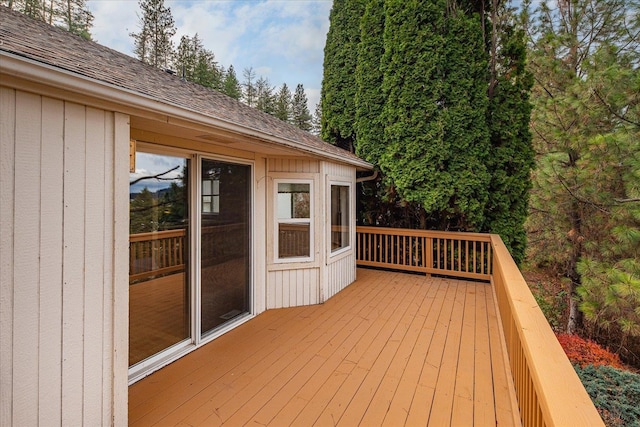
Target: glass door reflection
(159, 297)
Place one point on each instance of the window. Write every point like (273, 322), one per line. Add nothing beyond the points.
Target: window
(340, 217)
(210, 196)
(293, 212)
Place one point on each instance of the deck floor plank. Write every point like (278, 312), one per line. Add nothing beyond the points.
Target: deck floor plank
(392, 349)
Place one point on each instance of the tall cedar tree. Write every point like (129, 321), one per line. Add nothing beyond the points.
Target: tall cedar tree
(369, 96)
(152, 44)
(512, 155)
(584, 220)
(339, 82)
(300, 115)
(265, 98)
(436, 136)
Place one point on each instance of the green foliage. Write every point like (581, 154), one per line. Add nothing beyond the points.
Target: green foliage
(436, 136)
(230, 85)
(197, 64)
(552, 304)
(300, 116)
(369, 97)
(339, 81)
(283, 103)
(71, 15)
(512, 156)
(614, 392)
(586, 131)
(152, 44)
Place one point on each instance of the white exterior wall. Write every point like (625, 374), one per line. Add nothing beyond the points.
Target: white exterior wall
(305, 283)
(293, 284)
(63, 262)
(340, 269)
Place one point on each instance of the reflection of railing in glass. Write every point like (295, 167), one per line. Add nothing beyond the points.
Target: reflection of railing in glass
(155, 254)
(160, 253)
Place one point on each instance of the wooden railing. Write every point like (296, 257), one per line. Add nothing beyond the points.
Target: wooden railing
(465, 255)
(155, 253)
(548, 390)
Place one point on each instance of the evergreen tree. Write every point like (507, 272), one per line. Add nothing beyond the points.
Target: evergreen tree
(197, 64)
(435, 112)
(339, 82)
(72, 15)
(265, 99)
(585, 56)
(512, 156)
(231, 86)
(369, 96)
(283, 103)
(153, 44)
(76, 18)
(300, 115)
(248, 87)
(316, 120)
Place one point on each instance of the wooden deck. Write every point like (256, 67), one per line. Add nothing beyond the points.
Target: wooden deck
(391, 349)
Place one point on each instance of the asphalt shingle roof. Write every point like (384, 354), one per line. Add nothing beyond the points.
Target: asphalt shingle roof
(38, 41)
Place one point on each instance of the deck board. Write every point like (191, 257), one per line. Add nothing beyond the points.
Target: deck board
(391, 349)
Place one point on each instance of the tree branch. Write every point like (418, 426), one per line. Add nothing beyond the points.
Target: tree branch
(158, 176)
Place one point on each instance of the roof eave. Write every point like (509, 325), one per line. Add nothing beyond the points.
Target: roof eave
(46, 74)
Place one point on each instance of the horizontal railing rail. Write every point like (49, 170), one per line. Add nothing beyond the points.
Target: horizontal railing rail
(548, 390)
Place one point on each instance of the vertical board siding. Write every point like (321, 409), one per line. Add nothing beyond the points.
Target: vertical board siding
(52, 159)
(293, 288)
(57, 254)
(7, 185)
(341, 273)
(294, 165)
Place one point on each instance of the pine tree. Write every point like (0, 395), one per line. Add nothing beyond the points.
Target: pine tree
(283, 103)
(316, 120)
(77, 18)
(339, 82)
(72, 15)
(584, 56)
(195, 63)
(249, 87)
(300, 111)
(153, 44)
(265, 99)
(231, 86)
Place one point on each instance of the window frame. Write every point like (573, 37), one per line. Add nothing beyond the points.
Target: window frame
(339, 183)
(277, 221)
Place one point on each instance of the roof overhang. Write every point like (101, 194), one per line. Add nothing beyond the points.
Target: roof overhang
(34, 76)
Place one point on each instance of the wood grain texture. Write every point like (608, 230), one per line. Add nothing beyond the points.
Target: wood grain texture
(391, 349)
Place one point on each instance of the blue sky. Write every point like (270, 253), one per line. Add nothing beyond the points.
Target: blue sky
(283, 40)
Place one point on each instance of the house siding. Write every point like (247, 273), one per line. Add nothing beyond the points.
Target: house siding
(63, 258)
(340, 269)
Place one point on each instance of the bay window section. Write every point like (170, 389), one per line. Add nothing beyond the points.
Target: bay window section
(294, 223)
(340, 217)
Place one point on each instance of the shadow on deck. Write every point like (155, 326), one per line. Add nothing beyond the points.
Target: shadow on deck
(391, 349)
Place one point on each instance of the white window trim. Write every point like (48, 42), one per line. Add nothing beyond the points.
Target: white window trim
(331, 253)
(310, 221)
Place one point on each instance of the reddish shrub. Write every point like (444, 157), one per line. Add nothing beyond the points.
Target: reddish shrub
(585, 352)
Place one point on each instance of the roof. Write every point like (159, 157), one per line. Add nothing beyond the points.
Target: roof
(44, 44)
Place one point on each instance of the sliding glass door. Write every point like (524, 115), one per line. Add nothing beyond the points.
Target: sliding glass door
(225, 236)
(185, 284)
